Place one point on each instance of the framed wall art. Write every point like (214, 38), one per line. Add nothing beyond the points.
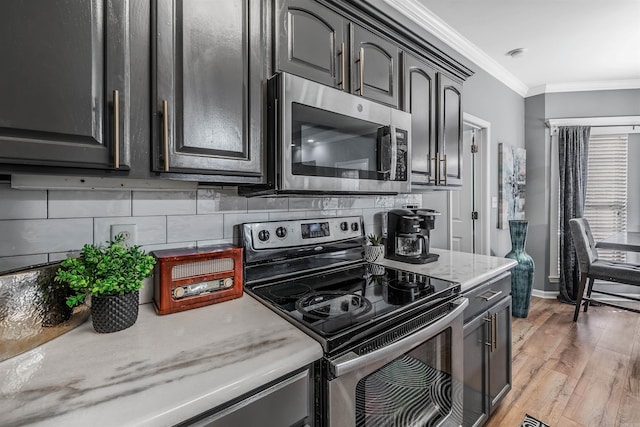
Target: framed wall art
(512, 174)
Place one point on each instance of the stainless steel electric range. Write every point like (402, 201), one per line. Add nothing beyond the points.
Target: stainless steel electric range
(392, 339)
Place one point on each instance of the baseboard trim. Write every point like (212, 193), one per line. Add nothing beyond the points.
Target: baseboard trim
(554, 294)
(544, 294)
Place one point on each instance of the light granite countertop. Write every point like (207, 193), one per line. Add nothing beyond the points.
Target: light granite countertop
(161, 371)
(467, 269)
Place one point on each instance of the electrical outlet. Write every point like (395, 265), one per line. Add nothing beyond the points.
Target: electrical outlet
(127, 231)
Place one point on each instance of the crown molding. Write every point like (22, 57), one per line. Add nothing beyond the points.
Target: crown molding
(422, 16)
(425, 18)
(585, 86)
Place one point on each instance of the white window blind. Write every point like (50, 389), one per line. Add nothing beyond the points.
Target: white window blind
(606, 201)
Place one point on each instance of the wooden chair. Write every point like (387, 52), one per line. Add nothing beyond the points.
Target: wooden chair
(592, 268)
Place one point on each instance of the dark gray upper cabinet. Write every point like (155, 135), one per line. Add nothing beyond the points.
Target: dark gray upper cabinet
(310, 42)
(420, 101)
(435, 103)
(63, 64)
(314, 42)
(449, 131)
(374, 65)
(207, 99)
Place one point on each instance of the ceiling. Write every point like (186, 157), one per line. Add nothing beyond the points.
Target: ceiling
(570, 44)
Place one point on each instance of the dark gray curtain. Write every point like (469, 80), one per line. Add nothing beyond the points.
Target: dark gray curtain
(573, 146)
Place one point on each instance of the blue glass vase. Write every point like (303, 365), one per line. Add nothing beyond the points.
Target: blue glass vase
(521, 274)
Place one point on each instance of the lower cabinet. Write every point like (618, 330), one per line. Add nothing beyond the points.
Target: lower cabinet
(288, 402)
(487, 349)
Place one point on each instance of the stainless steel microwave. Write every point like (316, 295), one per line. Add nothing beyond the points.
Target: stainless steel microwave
(324, 140)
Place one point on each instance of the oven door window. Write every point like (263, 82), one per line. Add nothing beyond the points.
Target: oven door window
(413, 390)
(327, 144)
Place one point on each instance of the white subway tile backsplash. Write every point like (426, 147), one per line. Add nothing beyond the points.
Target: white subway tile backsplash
(163, 246)
(13, 262)
(274, 216)
(164, 219)
(232, 219)
(146, 292)
(267, 204)
(87, 203)
(36, 236)
(385, 202)
(219, 200)
(206, 243)
(320, 214)
(320, 203)
(194, 227)
(22, 204)
(150, 230)
(363, 202)
(61, 256)
(149, 203)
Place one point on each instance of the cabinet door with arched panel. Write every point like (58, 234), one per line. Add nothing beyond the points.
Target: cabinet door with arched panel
(374, 66)
(310, 42)
(420, 101)
(449, 131)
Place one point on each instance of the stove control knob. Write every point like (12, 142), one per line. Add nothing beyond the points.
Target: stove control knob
(355, 226)
(263, 235)
(281, 232)
(344, 226)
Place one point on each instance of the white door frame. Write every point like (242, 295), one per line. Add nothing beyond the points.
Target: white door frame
(483, 205)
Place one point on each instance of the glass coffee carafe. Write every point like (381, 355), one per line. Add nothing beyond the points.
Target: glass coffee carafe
(410, 244)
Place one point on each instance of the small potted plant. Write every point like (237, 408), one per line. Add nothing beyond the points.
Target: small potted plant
(112, 275)
(373, 250)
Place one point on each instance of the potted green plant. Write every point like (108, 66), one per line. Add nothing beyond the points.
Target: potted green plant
(373, 250)
(112, 275)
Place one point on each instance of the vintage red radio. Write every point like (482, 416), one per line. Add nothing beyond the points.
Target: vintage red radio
(190, 278)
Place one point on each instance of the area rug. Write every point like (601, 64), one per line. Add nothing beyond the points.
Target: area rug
(529, 421)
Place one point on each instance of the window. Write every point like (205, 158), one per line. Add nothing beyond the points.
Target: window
(603, 129)
(606, 201)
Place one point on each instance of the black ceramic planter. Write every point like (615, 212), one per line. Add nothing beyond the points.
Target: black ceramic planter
(114, 313)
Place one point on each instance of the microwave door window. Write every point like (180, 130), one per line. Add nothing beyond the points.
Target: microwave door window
(327, 144)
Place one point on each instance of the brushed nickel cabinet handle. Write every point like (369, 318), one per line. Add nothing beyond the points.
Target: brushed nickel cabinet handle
(489, 342)
(360, 60)
(494, 322)
(165, 134)
(491, 295)
(342, 66)
(444, 160)
(437, 171)
(116, 129)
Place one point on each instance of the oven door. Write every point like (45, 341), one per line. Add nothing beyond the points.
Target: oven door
(415, 381)
(330, 140)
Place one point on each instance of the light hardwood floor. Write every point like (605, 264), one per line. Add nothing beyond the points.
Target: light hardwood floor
(574, 374)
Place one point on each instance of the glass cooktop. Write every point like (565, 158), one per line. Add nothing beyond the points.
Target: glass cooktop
(339, 304)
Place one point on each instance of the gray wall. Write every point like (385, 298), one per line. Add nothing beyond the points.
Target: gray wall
(539, 108)
(488, 99)
(537, 197)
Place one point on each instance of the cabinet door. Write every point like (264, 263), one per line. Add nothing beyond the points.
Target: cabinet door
(500, 357)
(450, 130)
(374, 66)
(476, 404)
(61, 63)
(420, 101)
(310, 42)
(207, 81)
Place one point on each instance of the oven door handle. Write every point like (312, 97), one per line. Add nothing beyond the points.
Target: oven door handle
(351, 361)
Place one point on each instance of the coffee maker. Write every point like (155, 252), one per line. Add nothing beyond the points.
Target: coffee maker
(408, 235)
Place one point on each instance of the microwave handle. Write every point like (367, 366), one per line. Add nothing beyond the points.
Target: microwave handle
(394, 152)
(351, 361)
